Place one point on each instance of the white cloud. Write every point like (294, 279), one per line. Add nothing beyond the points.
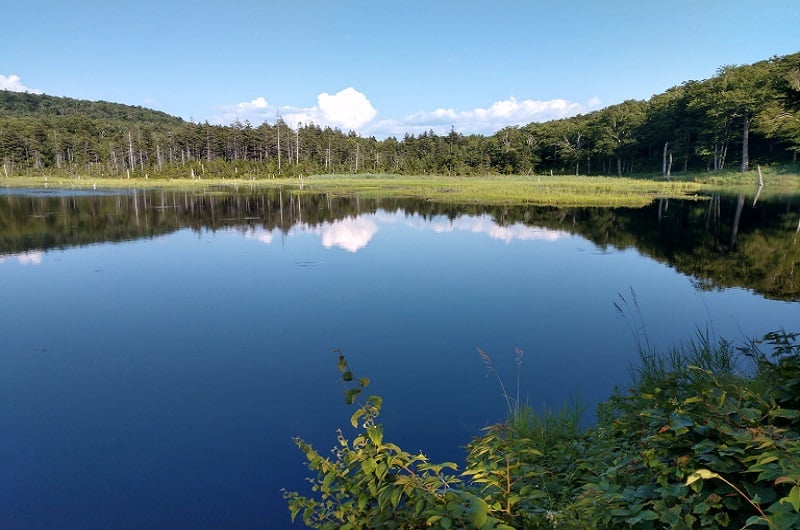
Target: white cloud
(14, 84)
(488, 120)
(350, 109)
(347, 109)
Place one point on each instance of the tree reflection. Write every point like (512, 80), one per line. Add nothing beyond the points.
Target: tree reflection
(722, 242)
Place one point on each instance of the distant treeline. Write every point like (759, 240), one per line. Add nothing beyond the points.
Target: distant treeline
(744, 115)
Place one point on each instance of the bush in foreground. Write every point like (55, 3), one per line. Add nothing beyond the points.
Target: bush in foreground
(693, 443)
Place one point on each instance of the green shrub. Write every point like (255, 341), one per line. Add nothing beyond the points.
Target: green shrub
(697, 441)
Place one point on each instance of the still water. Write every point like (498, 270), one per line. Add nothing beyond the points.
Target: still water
(160, 350)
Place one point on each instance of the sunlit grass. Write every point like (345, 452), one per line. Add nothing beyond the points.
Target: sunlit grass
(777, 180)
(540, 190)
(536, 190)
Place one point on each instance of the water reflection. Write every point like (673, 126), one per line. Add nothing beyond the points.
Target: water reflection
(486, 225)
(25, 258)
(164, 377)
(355, 233)
(721, 242)
(350, 234)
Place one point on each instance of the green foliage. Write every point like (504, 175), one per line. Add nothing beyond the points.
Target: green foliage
(371, 483)
(702, 125)
(697, 419)
(698, 441)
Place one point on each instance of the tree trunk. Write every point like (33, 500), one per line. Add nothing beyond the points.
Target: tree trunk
(664, 160)
(736, 218)
(746, 143)
(716, 154)
(130, 150)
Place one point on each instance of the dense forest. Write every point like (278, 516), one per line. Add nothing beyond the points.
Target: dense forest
(743, 115)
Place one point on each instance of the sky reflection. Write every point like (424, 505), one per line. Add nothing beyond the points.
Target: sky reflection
(355, 233)
(351, 234)
(164, 376)
(24, 258)
(486, 225)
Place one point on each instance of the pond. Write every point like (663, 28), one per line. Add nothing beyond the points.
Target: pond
(161, 349)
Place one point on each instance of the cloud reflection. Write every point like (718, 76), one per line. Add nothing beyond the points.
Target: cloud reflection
(25, 258)
(350, 234)
(355, 233)
(485, 225)
(260, 235)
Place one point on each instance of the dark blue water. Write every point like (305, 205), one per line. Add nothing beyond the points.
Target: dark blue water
(158, 382)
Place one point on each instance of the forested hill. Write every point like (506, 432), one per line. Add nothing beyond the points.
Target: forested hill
(743, 115)
(24, 104)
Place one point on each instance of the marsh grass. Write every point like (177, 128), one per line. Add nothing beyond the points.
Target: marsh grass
(680, 364)
(202, 184)
(544, 426)
(537, 190)
(532, 189)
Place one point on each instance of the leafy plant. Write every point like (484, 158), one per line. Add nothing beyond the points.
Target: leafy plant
(697, 441)
(371, 483)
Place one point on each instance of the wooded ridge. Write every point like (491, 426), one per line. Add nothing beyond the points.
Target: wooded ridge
(743, 115)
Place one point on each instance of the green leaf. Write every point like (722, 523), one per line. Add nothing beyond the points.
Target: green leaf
(363, 382)
(362, 501)
(356, 416)
(479, 513)
(347, 375)
(677, 421)
(375, 434)
(645, 515)
(368, 466)
(789, 414)
(793, 498)
(723, 519)
(701, 474)
(350, 395)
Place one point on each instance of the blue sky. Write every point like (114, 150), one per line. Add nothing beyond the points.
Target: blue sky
(382, 68)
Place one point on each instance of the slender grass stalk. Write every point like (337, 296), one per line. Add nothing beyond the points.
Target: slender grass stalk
(490, 367)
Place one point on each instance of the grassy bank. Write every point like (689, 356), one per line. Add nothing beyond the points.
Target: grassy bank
(543, 190)
(707, 436)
